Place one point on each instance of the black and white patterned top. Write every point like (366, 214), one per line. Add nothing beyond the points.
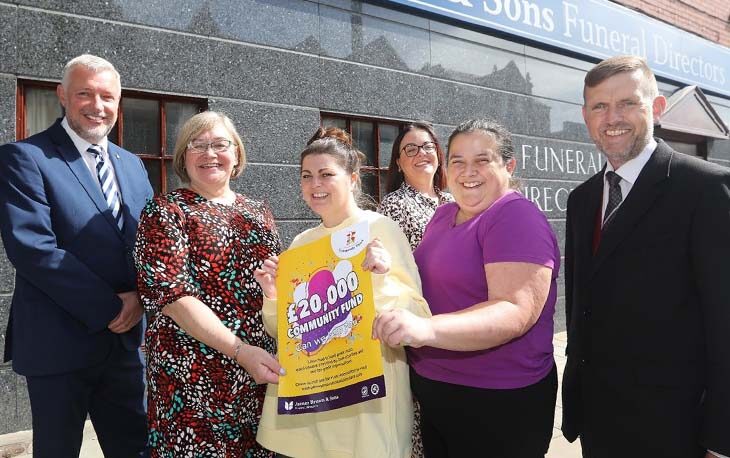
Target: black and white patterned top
(412, 210)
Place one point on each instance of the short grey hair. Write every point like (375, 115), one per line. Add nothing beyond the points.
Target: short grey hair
(94, 63)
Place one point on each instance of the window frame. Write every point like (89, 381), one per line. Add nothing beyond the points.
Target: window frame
(161, 157)
(373, 170)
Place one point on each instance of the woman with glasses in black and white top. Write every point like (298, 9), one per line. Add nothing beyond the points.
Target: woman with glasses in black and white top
(416, 180)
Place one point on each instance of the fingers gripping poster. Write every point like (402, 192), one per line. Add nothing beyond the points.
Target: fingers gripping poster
(325, 318)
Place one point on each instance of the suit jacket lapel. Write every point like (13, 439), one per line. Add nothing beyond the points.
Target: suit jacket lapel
(588, 209)
(125, 188)
(119, 172)
(75, 162)
(648, 186)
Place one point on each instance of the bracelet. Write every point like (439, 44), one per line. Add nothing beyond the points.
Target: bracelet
(237, 350)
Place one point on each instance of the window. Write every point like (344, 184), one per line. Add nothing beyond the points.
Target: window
(374, 137)
(147, 124)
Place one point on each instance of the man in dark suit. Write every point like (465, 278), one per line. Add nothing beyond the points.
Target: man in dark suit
(647, 286)
(69, 205)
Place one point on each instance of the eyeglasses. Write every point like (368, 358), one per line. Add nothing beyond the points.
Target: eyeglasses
(218, 146)
(412, 150)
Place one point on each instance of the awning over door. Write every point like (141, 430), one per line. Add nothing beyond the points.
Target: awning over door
(688, 111)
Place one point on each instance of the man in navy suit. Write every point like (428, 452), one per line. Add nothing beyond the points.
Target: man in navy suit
(70, 201)
(646, 284)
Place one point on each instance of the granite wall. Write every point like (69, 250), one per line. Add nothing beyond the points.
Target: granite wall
(273, 65)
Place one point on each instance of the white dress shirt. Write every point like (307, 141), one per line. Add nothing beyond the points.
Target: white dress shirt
(628, 172)
(89, 159)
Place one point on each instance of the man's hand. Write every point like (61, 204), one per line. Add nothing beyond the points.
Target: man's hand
(130, 314)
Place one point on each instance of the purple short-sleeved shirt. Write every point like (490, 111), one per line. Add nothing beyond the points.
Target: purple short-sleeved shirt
(451, 261)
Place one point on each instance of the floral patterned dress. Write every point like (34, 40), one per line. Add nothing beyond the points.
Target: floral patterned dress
(201, 403)
(412, 210)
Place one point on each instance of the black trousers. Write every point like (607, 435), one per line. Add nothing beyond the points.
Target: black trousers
(632, 420)
(461, 421)
(111, 393)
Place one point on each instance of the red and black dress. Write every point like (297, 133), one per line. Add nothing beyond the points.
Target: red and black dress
(200, 402)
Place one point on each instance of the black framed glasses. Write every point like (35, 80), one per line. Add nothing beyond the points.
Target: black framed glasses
(218, 146)
(411, 149)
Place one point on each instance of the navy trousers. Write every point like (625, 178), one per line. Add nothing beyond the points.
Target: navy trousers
(111, 393)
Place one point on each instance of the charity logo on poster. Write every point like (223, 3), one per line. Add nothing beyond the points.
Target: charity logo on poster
(326, 312)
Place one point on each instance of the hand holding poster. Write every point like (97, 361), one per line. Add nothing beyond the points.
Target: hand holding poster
(326, 312)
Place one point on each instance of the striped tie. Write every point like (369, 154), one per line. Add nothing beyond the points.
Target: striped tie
(108, 186)
(614, 196)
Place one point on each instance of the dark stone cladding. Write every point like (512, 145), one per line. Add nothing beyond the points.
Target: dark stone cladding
(4, 313)
(8, 26)
(553, 159)
(7, 274)
(374, 91)
(289, 24)
(7, 109)
(171, 62)
(8, 401)
(271, 133)
(290, 229)
(550, 196)
(276, 184)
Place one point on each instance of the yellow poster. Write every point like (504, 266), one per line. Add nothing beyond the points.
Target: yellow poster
(326, 312)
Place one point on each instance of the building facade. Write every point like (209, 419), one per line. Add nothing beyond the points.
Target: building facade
(280, 68)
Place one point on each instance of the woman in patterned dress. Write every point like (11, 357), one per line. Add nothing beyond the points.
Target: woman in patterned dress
(208, 357)
(416, 180)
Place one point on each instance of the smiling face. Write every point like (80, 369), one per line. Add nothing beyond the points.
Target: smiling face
(91, 101)
(620, 117)
(476, 173)
(210, 170)
(423, 165)
(328, 188)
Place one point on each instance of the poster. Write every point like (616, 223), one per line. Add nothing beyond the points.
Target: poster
(326, 312)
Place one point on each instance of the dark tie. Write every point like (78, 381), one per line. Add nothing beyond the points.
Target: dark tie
(614, 196)
(108, 186)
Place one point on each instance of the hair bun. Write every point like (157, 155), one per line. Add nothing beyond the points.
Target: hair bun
(331, 132)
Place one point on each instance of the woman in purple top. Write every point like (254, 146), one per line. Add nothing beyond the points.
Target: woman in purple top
(482, 366)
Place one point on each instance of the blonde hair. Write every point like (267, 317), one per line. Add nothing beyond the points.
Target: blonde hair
(193, 127)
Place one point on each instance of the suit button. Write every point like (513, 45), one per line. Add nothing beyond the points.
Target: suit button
(584, 361)
(587, 313)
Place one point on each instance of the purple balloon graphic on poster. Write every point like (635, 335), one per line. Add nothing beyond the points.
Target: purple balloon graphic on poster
(319, 304)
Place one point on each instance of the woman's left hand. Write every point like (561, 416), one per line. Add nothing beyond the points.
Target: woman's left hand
(399, 327)
(377, 258)
(260, 364)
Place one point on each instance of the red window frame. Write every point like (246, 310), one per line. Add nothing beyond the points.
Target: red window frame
(376, 170)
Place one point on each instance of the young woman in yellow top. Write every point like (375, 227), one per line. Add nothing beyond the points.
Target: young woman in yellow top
(379, 428)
